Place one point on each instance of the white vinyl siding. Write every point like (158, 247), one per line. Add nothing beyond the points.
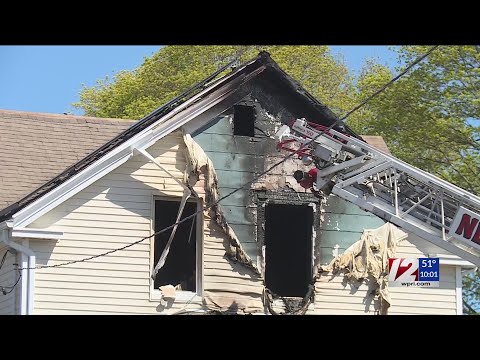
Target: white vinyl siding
(114, 211)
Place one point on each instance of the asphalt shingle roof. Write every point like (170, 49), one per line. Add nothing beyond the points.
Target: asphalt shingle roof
(36, 147)
(377, 142)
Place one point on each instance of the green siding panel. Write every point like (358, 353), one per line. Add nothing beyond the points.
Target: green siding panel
(343, 225)
(245, 233)
(234, 166)
(235, 162)
(251, 250)
(234, 179)
(238, 214)
(340, 206)
(349, 222)
(240, 198)
(222, 127)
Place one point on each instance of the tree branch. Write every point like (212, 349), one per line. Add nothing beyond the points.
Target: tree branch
(469, 308)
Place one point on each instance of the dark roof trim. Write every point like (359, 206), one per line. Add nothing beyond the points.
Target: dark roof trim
(327, 117)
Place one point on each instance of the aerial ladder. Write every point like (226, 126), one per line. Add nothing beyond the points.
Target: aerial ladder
(395, 191)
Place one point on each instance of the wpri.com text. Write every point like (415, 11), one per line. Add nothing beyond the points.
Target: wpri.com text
(423, 272)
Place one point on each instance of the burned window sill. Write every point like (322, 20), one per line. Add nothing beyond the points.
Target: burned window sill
(279, 304)
(181, 297)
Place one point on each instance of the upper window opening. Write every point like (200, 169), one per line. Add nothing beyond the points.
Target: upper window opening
(244, 120)
(179, 269)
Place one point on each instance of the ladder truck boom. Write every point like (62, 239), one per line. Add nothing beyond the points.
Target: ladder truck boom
(395, 191)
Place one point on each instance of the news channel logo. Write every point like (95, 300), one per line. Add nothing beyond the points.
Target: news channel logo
(420, 272)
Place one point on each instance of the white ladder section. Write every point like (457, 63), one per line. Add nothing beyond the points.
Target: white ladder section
(397, 192)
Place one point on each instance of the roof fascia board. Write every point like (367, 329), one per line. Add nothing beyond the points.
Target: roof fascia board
(162, 127)
(202, 121)
(463, 263)
(70, 187)
(37, 234)
(195, 110)
(451, 259)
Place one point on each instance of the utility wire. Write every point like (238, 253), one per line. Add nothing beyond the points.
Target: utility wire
(10, 288)
(469, 308)
(3, 259)
(3, 288)
(382, 89)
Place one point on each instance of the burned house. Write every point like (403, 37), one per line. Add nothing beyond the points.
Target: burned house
(93, 233)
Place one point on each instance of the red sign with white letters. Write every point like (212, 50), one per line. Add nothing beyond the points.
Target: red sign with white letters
(466, 227)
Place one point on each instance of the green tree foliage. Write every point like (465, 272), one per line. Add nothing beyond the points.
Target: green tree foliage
(173, 69)
(471, 293)
(429, 118)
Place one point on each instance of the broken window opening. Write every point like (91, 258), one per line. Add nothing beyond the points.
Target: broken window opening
(288, 249)
(180, 264)
(244, 120)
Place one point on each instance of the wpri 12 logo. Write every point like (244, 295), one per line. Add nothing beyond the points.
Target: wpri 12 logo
(424, 272)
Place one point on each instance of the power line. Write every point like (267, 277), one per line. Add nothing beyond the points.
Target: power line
(5, 292)
(10, 288)
(3, 259)
(382, 89)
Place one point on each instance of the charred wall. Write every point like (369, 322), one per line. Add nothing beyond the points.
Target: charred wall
(240, 159)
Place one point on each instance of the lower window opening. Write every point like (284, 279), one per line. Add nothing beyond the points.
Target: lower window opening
(288, 249)
(179, 269)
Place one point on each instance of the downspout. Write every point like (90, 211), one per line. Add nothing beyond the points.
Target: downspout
(26, 300)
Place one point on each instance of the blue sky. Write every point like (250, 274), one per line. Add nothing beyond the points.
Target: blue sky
(49, 78)
(355, 55)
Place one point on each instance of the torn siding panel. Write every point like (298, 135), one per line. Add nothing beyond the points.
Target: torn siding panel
(199, 163)
(223, 290)
(367, 260)
(228, 285)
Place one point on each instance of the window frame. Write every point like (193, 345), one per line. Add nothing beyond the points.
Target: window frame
(182, 296)
(265, 197)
